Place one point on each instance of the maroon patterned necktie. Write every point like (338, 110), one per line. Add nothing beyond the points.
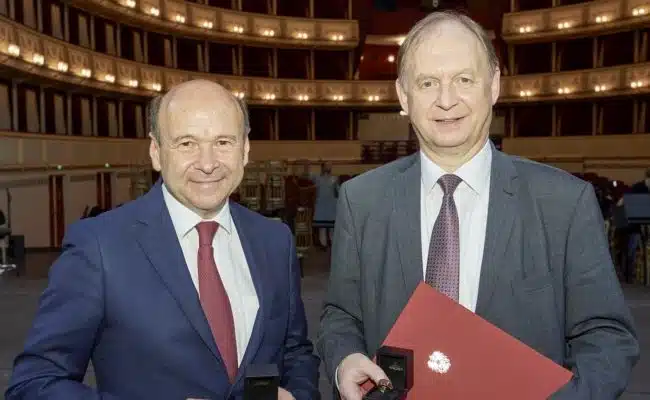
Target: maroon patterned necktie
(443, 262)
(214, 299)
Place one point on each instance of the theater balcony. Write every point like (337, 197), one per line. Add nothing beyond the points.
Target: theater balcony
(77, 77)
(537, 21)
(296, 24)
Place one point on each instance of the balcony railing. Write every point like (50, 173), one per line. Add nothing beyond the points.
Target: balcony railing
(381, 152)
(622, 157)
(631, 148)
(34, 54)
(211, 23)
(590, 18)
(38, 152)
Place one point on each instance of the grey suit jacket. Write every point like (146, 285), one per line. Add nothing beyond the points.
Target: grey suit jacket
(547, 277)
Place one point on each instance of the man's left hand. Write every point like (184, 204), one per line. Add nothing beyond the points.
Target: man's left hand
(285, 395)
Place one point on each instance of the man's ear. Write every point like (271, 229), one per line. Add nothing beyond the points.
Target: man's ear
(496, 85)
(401, 95)
(154, 153)
(247, 148)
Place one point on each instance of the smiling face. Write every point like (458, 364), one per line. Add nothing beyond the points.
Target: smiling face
(448, 91)
(203, 149)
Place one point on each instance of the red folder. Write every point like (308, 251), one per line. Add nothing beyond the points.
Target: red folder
(459, 355)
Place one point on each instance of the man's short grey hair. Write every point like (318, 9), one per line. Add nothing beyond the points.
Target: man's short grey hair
(152, 117)
(419, 32)
(154, 114)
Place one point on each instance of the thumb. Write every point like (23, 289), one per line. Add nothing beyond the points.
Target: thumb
(375, 373)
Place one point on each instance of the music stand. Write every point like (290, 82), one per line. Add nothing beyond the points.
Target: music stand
(635, 212)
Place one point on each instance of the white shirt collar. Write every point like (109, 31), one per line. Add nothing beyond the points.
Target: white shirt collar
(475, 172)
(185, 220)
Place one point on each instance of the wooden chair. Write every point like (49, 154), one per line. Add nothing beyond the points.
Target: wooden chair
(303, 234)
(275, 186)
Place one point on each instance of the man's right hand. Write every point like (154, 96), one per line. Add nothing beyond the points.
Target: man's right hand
(354, 370)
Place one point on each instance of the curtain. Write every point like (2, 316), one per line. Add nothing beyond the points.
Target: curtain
(169, 60)
(59, 115)
(139, 122)
(86, 119)
(110, 40)
(111, 109)
(29, 13)
(84, 38)
(5, 108)
(57, 25)
(31, 110)
(199, 53)
(137, 47)
(235, 60)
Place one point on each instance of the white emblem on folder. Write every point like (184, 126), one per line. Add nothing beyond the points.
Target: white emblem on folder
(439, 362)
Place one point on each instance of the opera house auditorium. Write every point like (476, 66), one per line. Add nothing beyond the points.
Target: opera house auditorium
(318, 77)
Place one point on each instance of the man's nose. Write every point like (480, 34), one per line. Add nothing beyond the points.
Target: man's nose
(447, 98)
(208, 160)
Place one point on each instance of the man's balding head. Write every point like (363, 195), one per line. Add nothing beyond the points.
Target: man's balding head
(188, 95)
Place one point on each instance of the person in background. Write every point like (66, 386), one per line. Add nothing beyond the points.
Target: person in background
(297, 183)
(327, 188)
(176, 294)
(605, 200)
(505, 237)
(93, 212)
(642, 187)
(634, 233)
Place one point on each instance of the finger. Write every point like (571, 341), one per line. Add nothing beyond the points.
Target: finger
(350, 391)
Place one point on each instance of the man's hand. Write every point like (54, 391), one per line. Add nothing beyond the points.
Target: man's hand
(282, 395)
(354, 370)
(285, 395)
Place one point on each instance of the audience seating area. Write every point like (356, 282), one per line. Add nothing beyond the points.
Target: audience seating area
(282, 190)
(610, 194)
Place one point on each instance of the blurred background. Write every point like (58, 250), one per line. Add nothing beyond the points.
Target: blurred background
(318, 76)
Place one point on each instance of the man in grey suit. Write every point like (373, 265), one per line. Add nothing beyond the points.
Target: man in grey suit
(519, 243)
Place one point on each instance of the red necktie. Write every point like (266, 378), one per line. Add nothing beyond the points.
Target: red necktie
(214, 299)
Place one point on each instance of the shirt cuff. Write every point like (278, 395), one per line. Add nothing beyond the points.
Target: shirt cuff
(336, 379)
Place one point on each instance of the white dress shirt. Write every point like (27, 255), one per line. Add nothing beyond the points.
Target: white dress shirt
(471, 198)
(230, 259)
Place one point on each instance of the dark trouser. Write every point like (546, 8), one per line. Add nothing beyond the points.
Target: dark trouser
(326, 227)
(633, 243)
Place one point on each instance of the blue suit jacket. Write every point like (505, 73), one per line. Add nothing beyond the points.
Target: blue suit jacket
(121, 295)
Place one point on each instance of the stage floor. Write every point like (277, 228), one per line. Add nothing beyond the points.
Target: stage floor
(19, 297)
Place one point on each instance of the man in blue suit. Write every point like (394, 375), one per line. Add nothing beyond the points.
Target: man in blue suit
(176, 294)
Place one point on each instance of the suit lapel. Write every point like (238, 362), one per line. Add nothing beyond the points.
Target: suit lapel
(158, 240)
(502, 213)
(406, 220)
(252, 250)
